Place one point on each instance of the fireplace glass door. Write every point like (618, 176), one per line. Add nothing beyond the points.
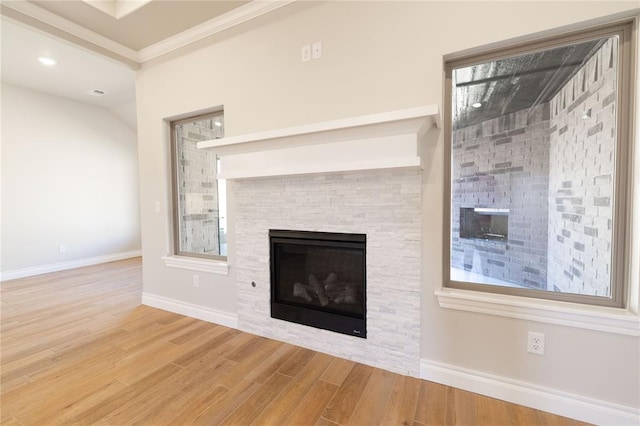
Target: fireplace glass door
(319, 279)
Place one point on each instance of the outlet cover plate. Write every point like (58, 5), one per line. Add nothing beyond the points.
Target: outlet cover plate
(535, 343)
(316, 50)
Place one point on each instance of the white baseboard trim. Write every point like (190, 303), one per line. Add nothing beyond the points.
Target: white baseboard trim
(539, 397)
(63, 266)
(190, 310)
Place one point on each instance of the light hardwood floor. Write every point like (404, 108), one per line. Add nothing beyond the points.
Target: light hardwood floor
(78, 348)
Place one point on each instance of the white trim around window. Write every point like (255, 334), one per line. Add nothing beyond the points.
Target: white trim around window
(197, 264)
(610, 320)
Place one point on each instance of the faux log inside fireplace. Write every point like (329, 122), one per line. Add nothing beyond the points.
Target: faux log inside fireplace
(319, 279)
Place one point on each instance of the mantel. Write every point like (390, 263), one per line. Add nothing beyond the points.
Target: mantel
(377, 141)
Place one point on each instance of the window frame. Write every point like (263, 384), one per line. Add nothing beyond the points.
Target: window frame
(175, 193)
(626, 29)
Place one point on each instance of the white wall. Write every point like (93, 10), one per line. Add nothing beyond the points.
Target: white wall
(127, 114)
(69, 177)
(377, 57)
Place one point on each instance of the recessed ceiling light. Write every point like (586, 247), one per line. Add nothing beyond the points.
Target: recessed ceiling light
(96, 92)
(476, 105)
(47, 61)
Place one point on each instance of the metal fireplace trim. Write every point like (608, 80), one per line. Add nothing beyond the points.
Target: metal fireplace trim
(352, 325)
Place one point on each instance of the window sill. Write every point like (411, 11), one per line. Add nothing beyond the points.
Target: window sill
(196, 264)
(610, 320)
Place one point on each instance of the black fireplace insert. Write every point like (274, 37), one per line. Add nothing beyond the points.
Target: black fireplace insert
(319, 279)
(484, 223)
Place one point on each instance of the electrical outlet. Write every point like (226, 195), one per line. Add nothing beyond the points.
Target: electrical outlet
(535, 343)
(62, 249)
(196, 281)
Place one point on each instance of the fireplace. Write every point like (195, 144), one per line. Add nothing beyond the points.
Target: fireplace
(374, 189)
(484, 223)
(319, 279)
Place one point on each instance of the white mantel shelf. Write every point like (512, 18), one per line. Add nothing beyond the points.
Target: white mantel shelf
(363, 120)
(376, 141)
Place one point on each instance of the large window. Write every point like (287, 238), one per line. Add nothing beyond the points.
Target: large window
(538, 146)
(199, 198)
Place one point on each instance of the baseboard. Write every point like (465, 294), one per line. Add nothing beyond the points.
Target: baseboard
(190, 310)
(542, 398)
(63, 266)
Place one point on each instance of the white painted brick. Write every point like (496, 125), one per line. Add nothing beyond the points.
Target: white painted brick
(580, 163)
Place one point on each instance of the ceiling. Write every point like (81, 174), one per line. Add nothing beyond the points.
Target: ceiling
(508, 85)
(98, 44)
(76, 72)
(154, 22)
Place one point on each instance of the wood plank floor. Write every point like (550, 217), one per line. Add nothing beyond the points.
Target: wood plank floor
(78, 348)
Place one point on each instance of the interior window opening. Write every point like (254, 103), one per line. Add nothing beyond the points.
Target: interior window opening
(537, 171)
(199, 197)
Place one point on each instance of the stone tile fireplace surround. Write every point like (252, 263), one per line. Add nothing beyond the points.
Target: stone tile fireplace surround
(383, 202)
(384, 205)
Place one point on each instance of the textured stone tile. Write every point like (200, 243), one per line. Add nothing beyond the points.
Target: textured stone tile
(386, 206)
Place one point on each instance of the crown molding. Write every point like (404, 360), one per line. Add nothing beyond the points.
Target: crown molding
(230, 19)
(71, 28)
(78, 34)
